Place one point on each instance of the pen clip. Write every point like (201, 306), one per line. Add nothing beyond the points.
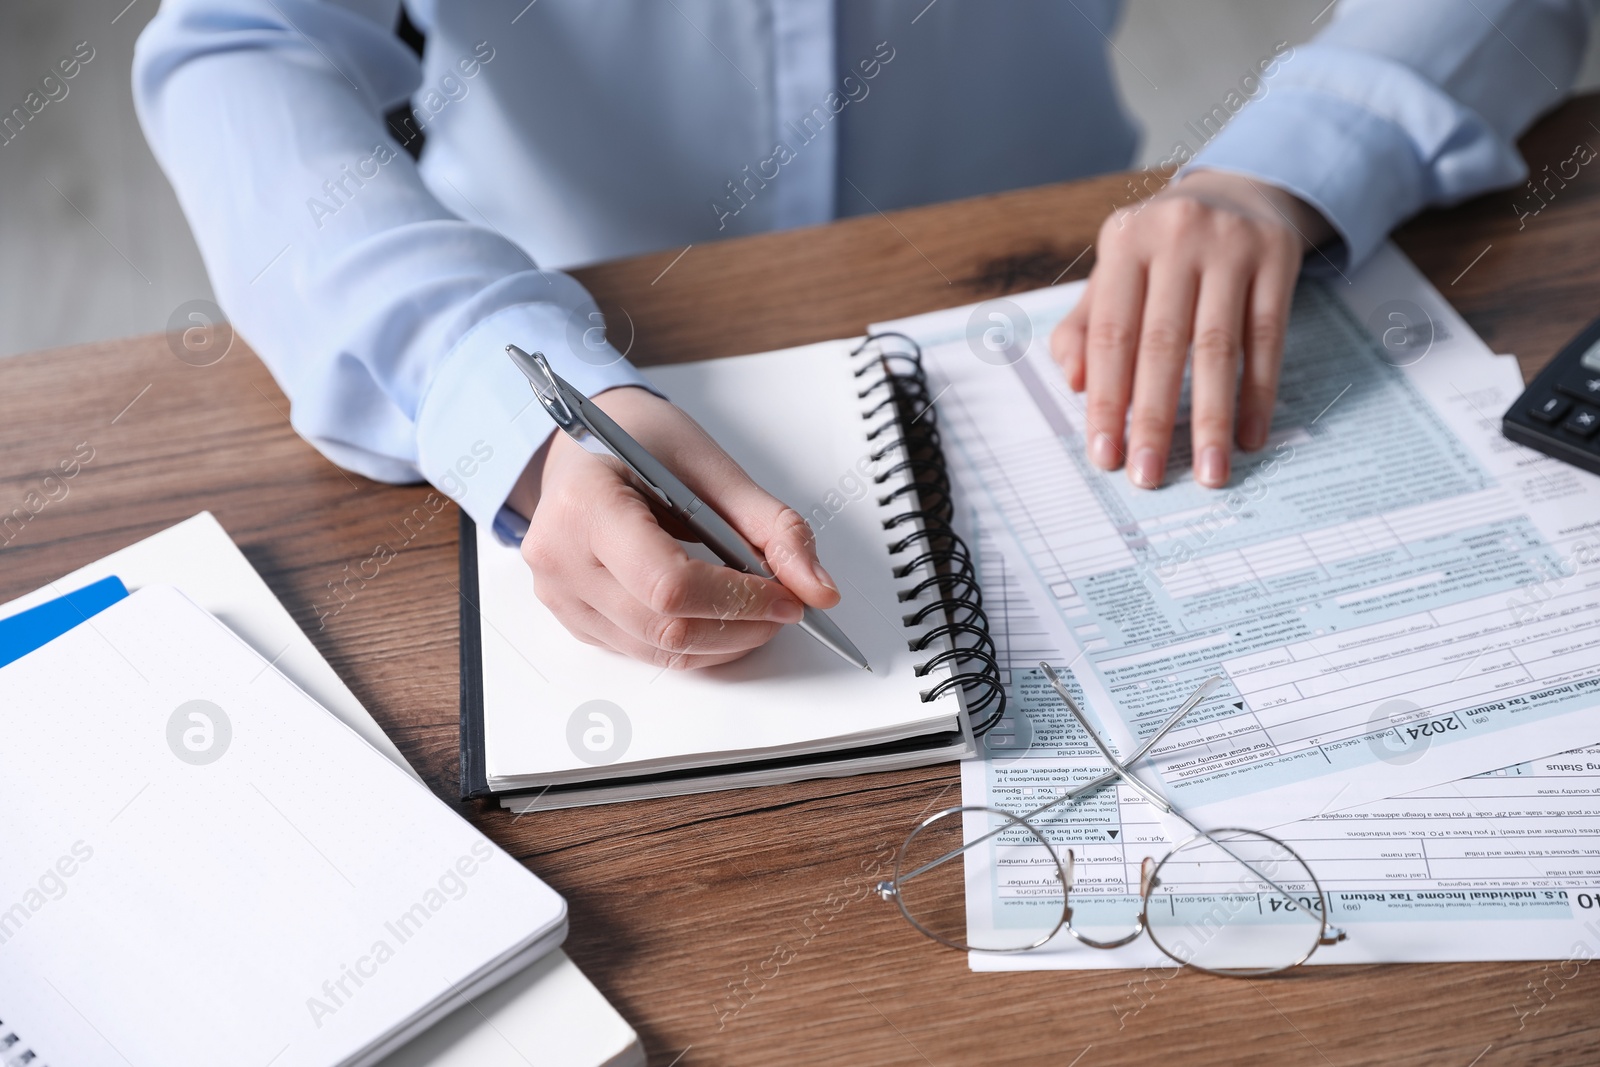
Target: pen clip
(594, 432)
(548, 391)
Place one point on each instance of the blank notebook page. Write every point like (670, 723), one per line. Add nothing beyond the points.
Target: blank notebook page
(793, 419)
(187, 914)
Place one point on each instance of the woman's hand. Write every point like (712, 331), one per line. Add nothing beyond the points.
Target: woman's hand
(1209, 262)
(604, 564)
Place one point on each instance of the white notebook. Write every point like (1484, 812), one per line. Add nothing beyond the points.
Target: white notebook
(562, 722)
(191, 890)
(199, 557)
(550, 1012)
(549, 1015)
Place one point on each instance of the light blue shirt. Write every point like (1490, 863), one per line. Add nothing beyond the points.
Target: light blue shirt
(381, 293)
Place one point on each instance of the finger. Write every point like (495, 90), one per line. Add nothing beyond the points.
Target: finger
(1158, 379)
(1112, 335)
(654, 568)
(790, 547)
(1068, 339)
(593, 628)
(775, 529)
(680, 634)
(1266, 318)
(1214, 381)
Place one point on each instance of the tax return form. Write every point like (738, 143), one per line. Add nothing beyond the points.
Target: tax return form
(1395, 596)
(1499, 866)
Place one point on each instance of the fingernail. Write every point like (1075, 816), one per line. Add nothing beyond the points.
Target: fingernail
(1102, 453)
(823, 576)
(1252, 432)
(787, 611)
(1213, 466)
(1145, 470)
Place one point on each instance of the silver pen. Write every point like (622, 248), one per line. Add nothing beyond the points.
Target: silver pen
(595, 432)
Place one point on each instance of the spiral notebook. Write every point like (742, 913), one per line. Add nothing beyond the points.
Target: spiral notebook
(844, 432)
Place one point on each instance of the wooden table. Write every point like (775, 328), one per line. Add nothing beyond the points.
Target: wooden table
(675, 902)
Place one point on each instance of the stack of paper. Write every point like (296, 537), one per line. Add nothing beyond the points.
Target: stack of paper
(165, 896)
(1401, 602)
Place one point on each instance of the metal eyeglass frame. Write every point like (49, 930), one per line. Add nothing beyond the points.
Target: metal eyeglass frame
(1150, 869)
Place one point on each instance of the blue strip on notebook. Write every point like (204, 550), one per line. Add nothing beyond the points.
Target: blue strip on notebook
(38, 626)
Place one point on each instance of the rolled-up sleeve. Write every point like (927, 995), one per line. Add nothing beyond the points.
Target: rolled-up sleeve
(1398, 106)
(381, 315)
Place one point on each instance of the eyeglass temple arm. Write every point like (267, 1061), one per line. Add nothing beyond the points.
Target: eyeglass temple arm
(1187, 706)
(1120, 768)
(1116, 767)
(1203, 690)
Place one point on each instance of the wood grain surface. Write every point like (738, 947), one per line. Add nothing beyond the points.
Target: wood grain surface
(738, 926)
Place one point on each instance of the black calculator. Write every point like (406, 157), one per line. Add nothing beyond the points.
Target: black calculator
(1559, 412)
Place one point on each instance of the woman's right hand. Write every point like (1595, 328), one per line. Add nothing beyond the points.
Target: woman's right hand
(615, 577)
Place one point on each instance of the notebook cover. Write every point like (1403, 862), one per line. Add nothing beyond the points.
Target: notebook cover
(38, 626)
(474, 773)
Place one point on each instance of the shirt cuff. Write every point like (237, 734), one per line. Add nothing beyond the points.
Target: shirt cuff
(1356, 168)
(1364, 140)
(479, 423)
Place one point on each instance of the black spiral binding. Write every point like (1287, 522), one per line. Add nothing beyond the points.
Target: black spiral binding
(899, 400)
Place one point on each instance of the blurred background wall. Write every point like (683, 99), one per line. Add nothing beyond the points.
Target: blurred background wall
(92, 244)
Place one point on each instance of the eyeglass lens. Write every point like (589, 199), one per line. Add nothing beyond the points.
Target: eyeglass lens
(1235, 902)
(931, 887)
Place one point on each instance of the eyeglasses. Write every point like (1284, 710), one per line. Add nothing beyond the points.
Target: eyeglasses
(1232, 902)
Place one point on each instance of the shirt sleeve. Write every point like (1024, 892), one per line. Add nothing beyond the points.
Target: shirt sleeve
(381, 315)
(1400, 106)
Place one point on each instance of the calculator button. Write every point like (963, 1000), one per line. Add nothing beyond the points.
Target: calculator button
(1584, 422)
(1583, 386)
(1591, 358)
(1550, 410)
